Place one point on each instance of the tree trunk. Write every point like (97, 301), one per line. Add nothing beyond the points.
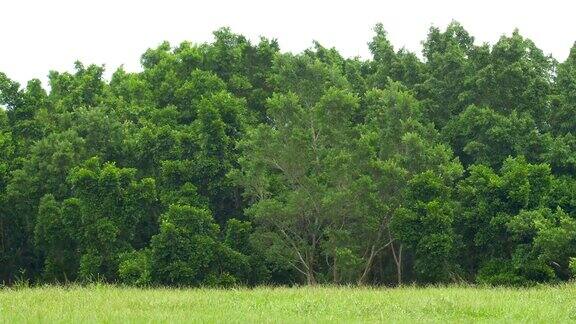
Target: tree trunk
(398, 261)
(2, 248)
(368, 266)
(335, 270)
(310, 280)
(399, 266)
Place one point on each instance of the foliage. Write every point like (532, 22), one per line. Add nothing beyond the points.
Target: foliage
(232, 163)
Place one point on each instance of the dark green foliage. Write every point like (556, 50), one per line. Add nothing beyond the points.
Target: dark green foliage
(232, 163)
(187, 251)
(134, 268)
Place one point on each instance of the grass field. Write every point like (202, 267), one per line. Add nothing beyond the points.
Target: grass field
(109, 304)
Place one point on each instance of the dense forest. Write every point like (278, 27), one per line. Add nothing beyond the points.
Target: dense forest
(233, 163)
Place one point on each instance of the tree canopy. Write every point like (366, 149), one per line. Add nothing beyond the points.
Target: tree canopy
(234, 163)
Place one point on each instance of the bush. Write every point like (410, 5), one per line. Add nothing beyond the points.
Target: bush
(90, 267)
(224, 280)
(134, 268)
(507, 273)
(187, 251)
(499, 273)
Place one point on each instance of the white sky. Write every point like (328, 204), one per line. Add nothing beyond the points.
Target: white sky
(40, 35)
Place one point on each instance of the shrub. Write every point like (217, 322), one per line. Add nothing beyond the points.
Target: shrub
(499, 273)
(134, 268)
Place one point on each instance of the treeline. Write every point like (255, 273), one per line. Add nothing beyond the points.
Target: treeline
(232, 163)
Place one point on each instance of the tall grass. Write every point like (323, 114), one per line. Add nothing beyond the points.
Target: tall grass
(102, 303)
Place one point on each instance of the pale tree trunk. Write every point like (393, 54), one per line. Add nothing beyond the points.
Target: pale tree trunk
(400, 265)
(373, 253)
(310, 279)
(308, 271)
(398, 261)
(335, 270)
(368, 267)
(305, 259)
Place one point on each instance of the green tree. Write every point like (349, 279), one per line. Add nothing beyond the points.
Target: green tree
(291, 170)
(187, 252)
(116, 213)
(410, 175)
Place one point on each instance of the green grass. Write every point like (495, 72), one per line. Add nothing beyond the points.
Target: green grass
(109, 304)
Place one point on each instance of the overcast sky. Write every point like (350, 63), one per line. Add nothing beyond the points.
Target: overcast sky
(39, 35)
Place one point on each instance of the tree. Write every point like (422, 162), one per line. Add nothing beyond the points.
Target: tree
(483, 136)
(508, 220)
(116, 213)
(410, 175)
(186, 251)
(299, 153)
(564, 102)
(8, 245)
(517, 77)
(231, 162)
(401, 66)
(55, 236)
(448, 68)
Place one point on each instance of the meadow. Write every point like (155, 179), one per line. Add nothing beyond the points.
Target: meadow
(110, 304)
